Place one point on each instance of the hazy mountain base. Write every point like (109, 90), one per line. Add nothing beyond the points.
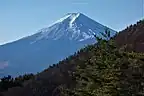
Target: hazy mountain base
(98, 71)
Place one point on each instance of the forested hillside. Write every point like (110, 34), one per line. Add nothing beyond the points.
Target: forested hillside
(102, 69)
(132, 37)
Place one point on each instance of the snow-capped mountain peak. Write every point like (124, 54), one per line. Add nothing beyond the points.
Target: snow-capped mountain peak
(49, 45)
(73, 26)
(71, 16)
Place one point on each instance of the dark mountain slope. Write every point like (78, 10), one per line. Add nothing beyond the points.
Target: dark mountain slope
(132, 37)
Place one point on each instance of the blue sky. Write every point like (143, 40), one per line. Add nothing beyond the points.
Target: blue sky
(19, 18)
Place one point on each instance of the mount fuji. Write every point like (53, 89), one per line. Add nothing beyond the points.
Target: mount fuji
(49, 45)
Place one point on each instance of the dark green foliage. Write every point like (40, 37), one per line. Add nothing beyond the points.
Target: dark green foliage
(109, 72)
(9, 82)
(6, 82)
(132, 37)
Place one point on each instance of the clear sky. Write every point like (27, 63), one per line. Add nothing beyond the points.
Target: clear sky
(19, 18)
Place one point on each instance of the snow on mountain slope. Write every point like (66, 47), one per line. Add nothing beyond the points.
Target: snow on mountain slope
(73, 26)
(50, 45)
